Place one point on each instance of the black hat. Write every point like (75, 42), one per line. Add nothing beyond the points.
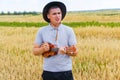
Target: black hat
(54, 3)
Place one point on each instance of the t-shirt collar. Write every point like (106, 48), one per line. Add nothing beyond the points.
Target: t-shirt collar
(53, 28)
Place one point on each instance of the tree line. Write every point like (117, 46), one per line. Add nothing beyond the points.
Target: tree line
(20, 13)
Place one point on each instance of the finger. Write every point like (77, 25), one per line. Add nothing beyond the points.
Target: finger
(62, 50)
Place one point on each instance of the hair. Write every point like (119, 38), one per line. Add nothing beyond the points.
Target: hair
(53, 7)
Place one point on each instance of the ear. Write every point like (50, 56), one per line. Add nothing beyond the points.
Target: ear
(48, 16)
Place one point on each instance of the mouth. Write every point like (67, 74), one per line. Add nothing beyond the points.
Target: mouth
(57, 19)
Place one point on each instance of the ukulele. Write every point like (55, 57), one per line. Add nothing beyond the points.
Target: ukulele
(53, 51)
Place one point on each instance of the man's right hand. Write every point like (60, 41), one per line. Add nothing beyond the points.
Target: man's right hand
(45, 47)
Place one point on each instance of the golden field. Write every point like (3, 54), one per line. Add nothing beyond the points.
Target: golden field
(98, 57)
(70, 17)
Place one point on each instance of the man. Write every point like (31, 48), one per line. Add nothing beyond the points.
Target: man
(58, 41)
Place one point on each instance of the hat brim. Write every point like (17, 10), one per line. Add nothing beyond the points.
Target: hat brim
(49, 5)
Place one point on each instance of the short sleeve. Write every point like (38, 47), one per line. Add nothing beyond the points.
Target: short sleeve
(72, 38)
(38, 39)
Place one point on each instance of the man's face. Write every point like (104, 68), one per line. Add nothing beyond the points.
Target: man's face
(55, 15)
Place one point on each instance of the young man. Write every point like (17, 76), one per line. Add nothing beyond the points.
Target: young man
(56, 43)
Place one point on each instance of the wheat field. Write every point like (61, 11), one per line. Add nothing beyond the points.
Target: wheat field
(98, 57)
(70, 17)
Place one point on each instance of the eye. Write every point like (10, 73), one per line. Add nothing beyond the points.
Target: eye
(59, 13)
(54, 13)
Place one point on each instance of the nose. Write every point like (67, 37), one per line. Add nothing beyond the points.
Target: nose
(57, 15)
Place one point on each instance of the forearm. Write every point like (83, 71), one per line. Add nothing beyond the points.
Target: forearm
(38, 51)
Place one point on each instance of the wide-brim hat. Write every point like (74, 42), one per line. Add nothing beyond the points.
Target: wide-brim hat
(54, 3)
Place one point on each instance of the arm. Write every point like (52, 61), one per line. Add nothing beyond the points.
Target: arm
(71, 50)
(39, 50)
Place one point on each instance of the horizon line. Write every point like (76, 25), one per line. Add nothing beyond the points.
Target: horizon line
(67, 11)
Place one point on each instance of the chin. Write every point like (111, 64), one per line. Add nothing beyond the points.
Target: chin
(59, 22)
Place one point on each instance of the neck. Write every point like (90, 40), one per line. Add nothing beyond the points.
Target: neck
(55, 25)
